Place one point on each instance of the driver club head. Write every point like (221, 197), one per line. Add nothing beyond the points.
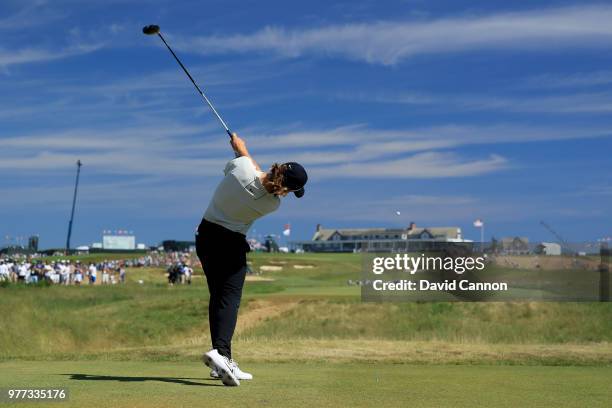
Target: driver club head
(150, 29)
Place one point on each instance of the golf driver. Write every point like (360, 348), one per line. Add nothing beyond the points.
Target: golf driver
(154, 29)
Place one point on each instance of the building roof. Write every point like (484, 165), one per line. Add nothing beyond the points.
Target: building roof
(550, 244)
(325, 234)
(510, 240)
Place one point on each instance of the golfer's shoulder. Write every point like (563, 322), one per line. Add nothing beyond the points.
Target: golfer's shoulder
(242, 163)
(244, 170)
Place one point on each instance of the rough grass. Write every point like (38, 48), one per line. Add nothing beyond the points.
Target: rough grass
(453, 322)
(293, 317)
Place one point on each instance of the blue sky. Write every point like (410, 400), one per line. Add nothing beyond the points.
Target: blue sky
(445, 111)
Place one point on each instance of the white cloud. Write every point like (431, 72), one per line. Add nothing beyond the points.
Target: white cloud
(29, 55)
(30, 15)
(422, 165)
(360, 142)
(39, 14)
(164, 93)
(154, 150)
(163, 148)
(575, 103)
(170, 150)
(389, 42)
(573, 80)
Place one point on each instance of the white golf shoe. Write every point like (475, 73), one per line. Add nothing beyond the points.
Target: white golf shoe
(222, 366)
(241, 375)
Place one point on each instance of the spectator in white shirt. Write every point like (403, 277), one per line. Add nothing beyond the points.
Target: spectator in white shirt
(93, 273)
(23, 272)
(78, 277)
(188, 272)
(5, 275)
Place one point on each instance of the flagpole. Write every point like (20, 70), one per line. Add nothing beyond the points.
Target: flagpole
(480, 224)
(482, 238)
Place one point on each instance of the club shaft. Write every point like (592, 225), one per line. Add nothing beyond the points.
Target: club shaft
(197, 87)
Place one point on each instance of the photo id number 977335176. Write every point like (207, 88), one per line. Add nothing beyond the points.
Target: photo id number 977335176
(33, 394)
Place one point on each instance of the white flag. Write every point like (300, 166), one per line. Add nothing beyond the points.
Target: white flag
(478, 223)
(287, 230)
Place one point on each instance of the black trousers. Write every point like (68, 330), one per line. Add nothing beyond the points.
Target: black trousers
(223, 256)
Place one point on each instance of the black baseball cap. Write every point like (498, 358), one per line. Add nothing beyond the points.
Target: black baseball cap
(295, 178)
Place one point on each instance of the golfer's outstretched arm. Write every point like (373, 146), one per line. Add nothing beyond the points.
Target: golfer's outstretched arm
(240, 149)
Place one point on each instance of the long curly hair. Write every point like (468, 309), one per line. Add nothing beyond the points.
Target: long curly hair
(274, 181)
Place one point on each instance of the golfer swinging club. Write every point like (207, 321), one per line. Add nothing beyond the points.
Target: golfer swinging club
(244, 195)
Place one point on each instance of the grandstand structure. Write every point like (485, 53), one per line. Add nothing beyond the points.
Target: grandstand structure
(118, 240)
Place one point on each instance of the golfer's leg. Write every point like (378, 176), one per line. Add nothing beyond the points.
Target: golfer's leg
(222, 308)
(226, 313)
(214, 289)
(213, 274)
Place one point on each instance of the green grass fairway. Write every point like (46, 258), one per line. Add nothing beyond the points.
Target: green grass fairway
(155, 384)
(308, 339)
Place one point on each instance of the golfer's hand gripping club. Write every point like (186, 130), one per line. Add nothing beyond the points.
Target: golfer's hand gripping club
(238, 145)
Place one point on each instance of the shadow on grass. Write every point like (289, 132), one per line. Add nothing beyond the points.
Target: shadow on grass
(184, 381)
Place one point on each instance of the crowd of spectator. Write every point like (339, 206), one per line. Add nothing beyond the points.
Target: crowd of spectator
(179, 273)
(63, 272)
(26, 269)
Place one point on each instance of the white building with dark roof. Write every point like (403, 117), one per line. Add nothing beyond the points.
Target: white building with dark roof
(548, 248)
(378, 239)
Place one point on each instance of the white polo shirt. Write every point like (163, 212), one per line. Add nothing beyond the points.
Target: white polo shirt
(240, 198)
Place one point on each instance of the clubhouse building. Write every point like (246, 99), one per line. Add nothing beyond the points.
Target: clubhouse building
(412, 238)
